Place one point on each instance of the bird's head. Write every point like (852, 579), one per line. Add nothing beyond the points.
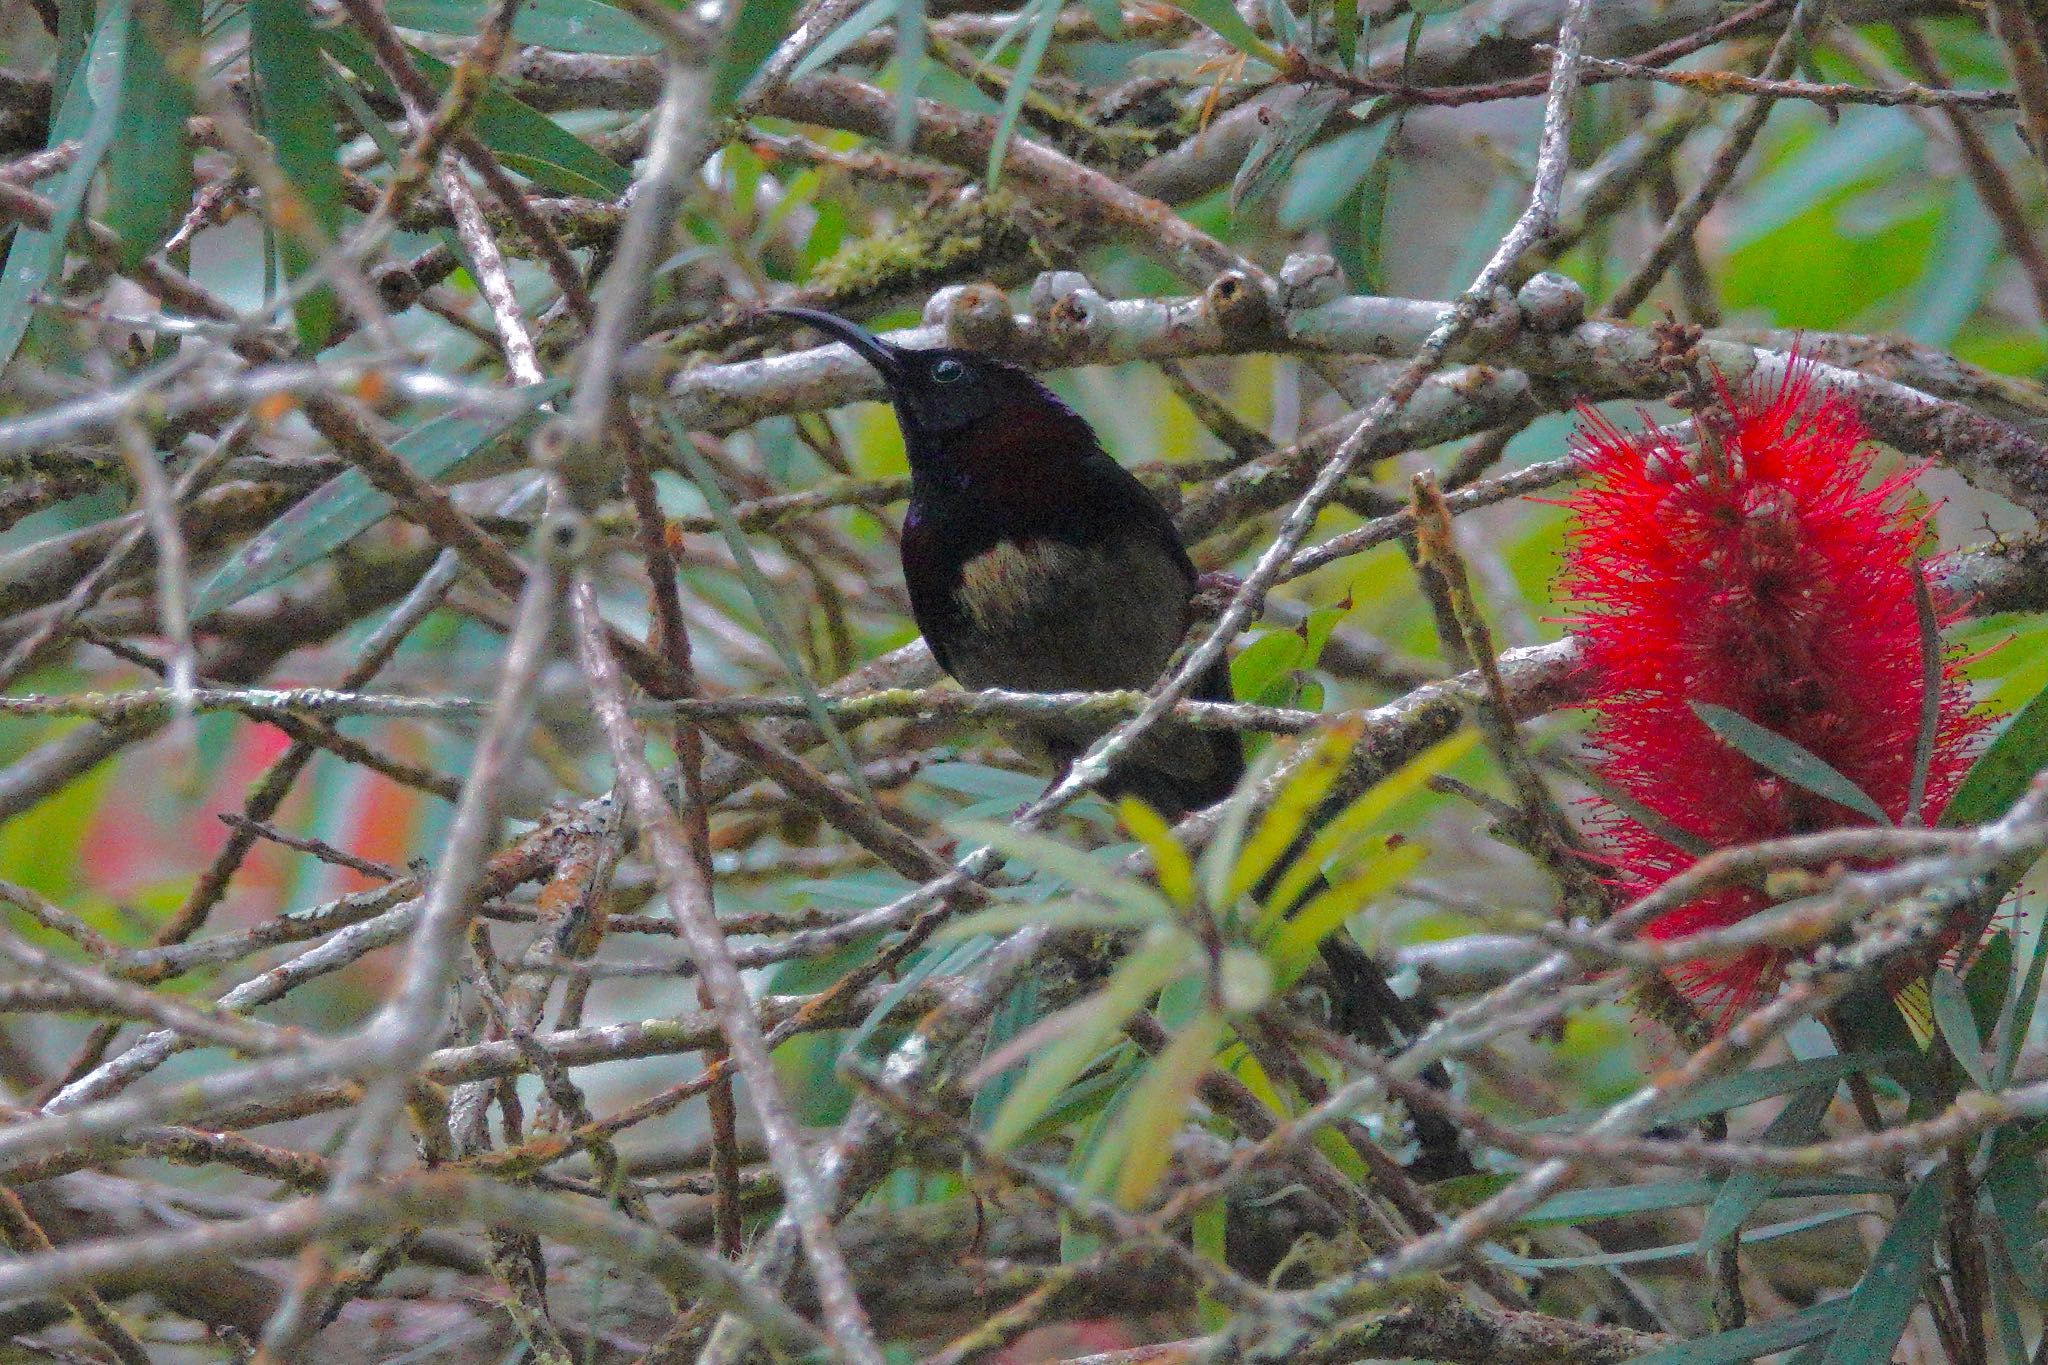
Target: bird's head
(960, 406)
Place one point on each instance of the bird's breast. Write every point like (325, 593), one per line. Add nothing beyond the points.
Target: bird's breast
(1047, 615)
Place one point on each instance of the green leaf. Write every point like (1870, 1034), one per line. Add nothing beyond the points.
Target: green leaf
(757, 27)
(1670, 1251)
(1747, 1343)
(1222, 17)
(1966, 246)
(1627, 1201)
(149, 167)
(1347, 33)
(2014, 1188)
(1733, 1092)
(910, 62)
(1264, 662)
(1429, 7)
(1883, 1299)
(2016, 1015)
(523, 138)
(1287, 818)
(294, 113)
(1743, 1192)
(345, 506)
(1159, 1105)
(1080, 870)
(1012, 1017)
(767, 607)
(1998, 777)
(1042, 17)
(1326, 176)
(564, 25)
(1274, 154)
(1786, 758)
(1093, 1023)
(1171, 866)
(91, 115)
(1292, 947)
(858, 25)
(1958, 1027)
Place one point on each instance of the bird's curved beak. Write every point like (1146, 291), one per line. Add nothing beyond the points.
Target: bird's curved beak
(869, 347)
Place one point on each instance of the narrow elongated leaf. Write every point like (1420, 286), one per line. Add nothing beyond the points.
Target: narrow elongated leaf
(294, 113)
(766, 606)
(756, 29)
(1747, 1343)
(1229, 25)
(1883, 1299)
(1170, 861)
(1958, 270)
(2014, 1189)
(345, 506)
(1788, 759)
(1071, 865)
(1295, 943)
(1043, 16)
(149, 167)
(1017, 1012)
(91, 114)
(1958, 1027)
(564, 25)
(1094, 1022)
(1743, 1192)
(2016, 1016)
(1274, 154)
(2004, 769)
(1732, 1092)
(1286, 819)
(1324, 177)
(524, 138)
(1669, 1252)
(910, 45)
(1627, 1201)
(858, 25)
(1159, 1105)
(1347, 32)
(1352, 823)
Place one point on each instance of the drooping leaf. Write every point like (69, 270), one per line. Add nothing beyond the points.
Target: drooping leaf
(1998, 777)
(294, 113)
(1883, 1299)
(1041, 17)
(1957, 1025)
(1787, 758)
(525, 139)
(1092, 1023)
(1758, 1339)
(1743, 1192)
(90, 115)
(565, 25)
(757, 27)
(1222, 17)
(1324, 177)
(347, 505)
(858, 25)
(149, 167)
(1274, 154)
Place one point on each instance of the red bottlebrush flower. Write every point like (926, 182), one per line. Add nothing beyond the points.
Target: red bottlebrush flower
(1765, 573)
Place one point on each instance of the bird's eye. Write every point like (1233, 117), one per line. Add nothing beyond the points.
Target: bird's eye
(948, 371)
